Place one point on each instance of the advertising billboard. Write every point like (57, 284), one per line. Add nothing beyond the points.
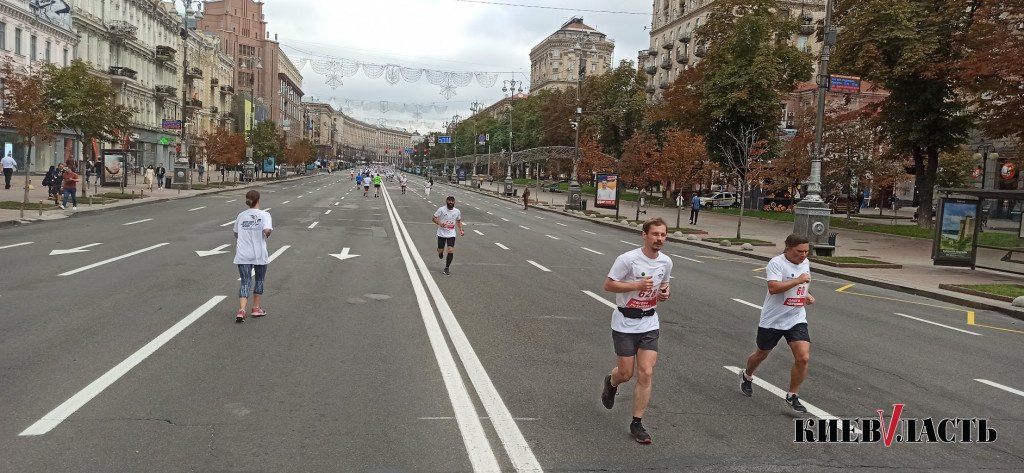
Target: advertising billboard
(114, 168)
(607, 191)
(956, 233)
(844, 84)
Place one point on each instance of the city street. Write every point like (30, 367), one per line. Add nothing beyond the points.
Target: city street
(120, 352)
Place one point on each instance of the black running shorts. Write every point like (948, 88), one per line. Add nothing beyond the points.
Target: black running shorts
(376, 185)
(767, 338)
(442, 242)
(628, 344)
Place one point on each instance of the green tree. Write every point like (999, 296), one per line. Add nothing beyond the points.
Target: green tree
(909, 47)
(25, 110)
(617, 104)
(86, 104)
(955, 168)
(265, 141)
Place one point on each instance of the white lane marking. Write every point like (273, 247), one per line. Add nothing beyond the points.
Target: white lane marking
(592, 251)
(552, 237)
(538, 216)
(111, 260)
(501, 246)
(586, 231)
(546, 270)
(137, 221)
(197, 208)
(600, 299)
(478, 232)
(328, 212)
(811, 409)
(16, 244)
(312, 225)
(215, 251)
(285, 202)
(337, 203)
(227, 223)
(524, 228)
(482, 417)
(64, 410)
(230, 201)
(1000, 386)
(938, 324)
(562, 224)
(299, 197)
(685, 258)
(481, 456)
(80, 249)
(342, 198)
(751, 304)
(628, 243)
(477, 208)
(490, 213)
(505, 219)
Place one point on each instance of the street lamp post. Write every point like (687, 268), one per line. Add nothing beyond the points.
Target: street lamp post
(188, 23)
(510, 87)
(983, 152)
(811, 218)
(575, 191)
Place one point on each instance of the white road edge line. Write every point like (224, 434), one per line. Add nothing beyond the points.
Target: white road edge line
(751, 304)
(501, 246)
(481, 456)
(546, 270)
(111, 260)
(938, 324)
(811, 409)
(16, 244)
(600, 299)
(137, 221)
(230, 201)
(562, 224)
(60, 413)
(1000, 386)
(505, 219)
(628, 243)
(516, 446)
(592, 251)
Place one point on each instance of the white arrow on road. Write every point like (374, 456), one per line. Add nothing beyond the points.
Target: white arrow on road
(80, 249)
(215, 251)
(344, 255)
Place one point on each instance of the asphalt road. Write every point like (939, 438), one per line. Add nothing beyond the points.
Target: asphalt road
(125, 357)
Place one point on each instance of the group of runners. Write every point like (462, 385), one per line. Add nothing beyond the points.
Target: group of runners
(639, 278)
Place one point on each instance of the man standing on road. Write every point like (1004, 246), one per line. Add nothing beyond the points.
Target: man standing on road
(784, 315)
(694, 208)
(447, 218)
(8, 164)
(640, 279)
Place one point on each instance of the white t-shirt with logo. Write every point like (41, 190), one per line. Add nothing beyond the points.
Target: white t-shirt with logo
(633, 266)
(448, 219)
(251, 245)
(783, 311)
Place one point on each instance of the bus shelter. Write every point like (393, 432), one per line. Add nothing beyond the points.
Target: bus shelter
(966, 234)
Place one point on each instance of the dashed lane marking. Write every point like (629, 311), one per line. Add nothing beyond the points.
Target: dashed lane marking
(629, 243)
(478, 232)
(688, 259)
(592, 251)
(542, 268)
(751, 304)
(600, 299)
(811, 409)
(501, 246)
(1000, 386)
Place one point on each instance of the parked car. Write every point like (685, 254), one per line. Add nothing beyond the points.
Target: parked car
(719, 199)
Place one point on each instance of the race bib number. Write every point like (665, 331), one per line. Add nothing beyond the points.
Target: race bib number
(796, 297)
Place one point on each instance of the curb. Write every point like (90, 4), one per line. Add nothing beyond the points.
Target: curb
(931, 294)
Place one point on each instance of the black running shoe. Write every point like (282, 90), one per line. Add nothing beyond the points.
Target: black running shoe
(794, 402)
(746, 385)
(608, 394)
(639, 433)
(446, 271)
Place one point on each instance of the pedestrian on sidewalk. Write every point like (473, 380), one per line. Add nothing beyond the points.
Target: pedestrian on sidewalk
(89, 169)
(526, 198)
(202, 170)
(252, 229)
(784, 315)
(70, 187)
(48, 183)
(694, 208)
(447, 218)
(9, 165)
(160, 171)
(149, 176)
(640, 279)
(643, 198)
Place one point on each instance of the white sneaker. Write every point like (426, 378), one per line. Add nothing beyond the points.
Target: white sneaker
(62, 206)
(74, 208)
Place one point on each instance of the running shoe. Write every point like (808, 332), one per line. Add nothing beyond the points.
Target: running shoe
(794, 402)
(746, 385)
(639, 433)
(446, 271)
(240, 317)
(608, 394)
(258, 312)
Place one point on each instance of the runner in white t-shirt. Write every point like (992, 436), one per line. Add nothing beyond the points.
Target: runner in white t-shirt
(447, 218)
(252, 228)
(783, 315)
(640, 279)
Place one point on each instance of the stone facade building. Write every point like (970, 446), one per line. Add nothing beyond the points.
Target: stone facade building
(554, 62)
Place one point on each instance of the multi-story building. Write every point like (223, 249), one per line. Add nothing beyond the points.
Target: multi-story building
(675, 47)
(29, 37)
(361, 142)
(288, 110)
(554, 62)
(320, 127)
(210, 97)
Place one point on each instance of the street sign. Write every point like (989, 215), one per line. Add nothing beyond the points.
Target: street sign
(843, 84)
(444, 140)
(482, 139)
(170, 124)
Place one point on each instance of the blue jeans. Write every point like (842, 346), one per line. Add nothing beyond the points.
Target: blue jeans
(74, 198)
(245, 271)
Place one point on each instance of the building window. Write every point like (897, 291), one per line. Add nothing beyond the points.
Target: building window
(48, 51)
(17, 41)
(33, 47)
(3, 35)
(65, 57)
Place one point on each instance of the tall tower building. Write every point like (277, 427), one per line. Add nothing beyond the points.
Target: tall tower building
(554, 62)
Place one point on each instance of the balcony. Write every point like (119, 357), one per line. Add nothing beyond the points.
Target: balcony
(193, 103)
(122, 30)
(700, 51)
(663, 85)
(684, 37)
(164, 53)
(806, 24)
(227, 89)
(650, 89)
(164, 91)
(214, 110)
(194, 73)
(651, 70)
(122, 74)
(214, 82)
(682, 57)
(667, 44)
(666, 63)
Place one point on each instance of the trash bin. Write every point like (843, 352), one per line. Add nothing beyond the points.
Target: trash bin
(832, 238)
(167, 182)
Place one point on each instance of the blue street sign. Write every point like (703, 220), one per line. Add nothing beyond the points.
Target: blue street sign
(444, 140)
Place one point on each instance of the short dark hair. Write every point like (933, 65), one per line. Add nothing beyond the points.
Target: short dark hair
(451, 197)
(794, 240)
(655, 222)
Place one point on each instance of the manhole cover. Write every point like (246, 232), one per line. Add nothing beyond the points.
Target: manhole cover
(377, 297)
(356, 300)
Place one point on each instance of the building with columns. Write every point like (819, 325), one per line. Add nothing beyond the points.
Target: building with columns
(210, 95)
(554, 61)
(30, 37)
(320, 127)
(288, 109)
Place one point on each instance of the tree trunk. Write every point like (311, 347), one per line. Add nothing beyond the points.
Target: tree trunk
(28, 161)
(86, 148)
(739, 223)
(924, 191)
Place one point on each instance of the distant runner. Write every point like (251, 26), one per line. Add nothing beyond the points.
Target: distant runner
(376, 185)
(252, 228)
(447, 218)
(403, 181)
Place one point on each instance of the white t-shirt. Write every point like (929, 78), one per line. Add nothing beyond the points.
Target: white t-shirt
(251, 245)
(783, 311)
(448, 219)
(632, 266)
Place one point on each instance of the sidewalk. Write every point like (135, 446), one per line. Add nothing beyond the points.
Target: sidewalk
(152, 194)
(918, 275)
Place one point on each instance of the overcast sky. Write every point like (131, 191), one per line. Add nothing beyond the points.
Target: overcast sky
(447, 35)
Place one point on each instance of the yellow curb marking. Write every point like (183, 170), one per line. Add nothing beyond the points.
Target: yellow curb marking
(970, 317)
(970, 313)
(756, 270)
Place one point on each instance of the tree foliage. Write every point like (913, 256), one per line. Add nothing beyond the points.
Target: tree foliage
(25, 107)
(265, 141)
(224, 147)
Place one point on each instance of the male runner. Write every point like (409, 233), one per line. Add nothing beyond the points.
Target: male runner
(359, 181)
(447, 218)
(640, 279)
(376, 185)
(366, 186)
(784, 315)
(403, 181)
